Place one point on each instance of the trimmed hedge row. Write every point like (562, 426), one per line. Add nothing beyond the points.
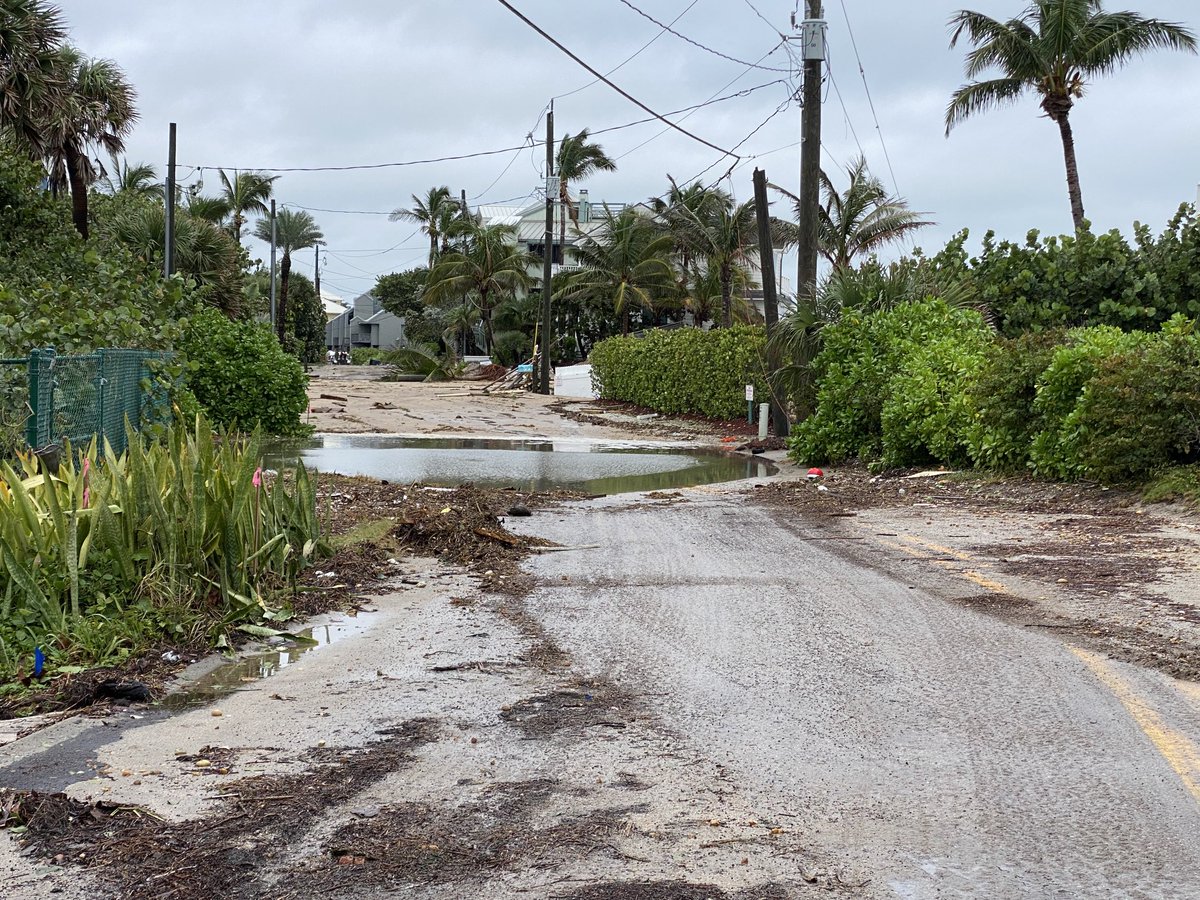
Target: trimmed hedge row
(683, 371)
(923, 383)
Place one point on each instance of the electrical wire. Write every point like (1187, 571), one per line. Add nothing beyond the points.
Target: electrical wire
(765, 19)
(870, 102)
(845, 112)
(636, 54)
(632, 99)
(694, 43)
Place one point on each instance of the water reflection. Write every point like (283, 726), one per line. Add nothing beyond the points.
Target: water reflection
(597, 468)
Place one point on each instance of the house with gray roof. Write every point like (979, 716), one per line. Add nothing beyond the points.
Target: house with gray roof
(365, 324)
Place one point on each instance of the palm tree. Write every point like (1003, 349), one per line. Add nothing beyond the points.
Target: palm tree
(295, 230)
(576, 160)
(1052, 48)
(246, 192)
(862, 219)
(96, 109)
(489, 267)
(435, 212)
(31, 81)
(628, 265)
(138, 180)
(721, 233)
(203, 250)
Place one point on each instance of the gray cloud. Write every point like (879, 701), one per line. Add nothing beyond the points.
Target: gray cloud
(267, 84)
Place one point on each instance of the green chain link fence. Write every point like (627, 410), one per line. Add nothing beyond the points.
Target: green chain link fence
(46, 398)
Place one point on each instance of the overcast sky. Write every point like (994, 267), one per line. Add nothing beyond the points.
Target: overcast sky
(302, 83)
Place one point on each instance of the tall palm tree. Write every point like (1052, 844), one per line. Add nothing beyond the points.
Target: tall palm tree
(1052, 48)
(435, 213)
(489, 267)
(577, 158)
(246, 192)
(691, 202)
(295, 230)
(861, 219)
(97, 109)
(133, 180)
(31, 80)
(723, 234)
(629, 265)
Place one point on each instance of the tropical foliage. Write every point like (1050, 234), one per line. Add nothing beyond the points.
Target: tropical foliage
(108, 554)
(241, 376)
(684, 370)
(1053, 48)
(294, 229)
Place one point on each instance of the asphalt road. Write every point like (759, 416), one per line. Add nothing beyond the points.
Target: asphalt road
(933, 751)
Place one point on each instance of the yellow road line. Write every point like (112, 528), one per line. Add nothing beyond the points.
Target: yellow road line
(1180, 751)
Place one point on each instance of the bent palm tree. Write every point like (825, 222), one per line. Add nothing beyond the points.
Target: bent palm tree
(294, 230)
(628, 265)
(722, 234)
(96, 109)
(246, 192)
(576, 160)
(1053, 48)
(862, 219)
(31, 81)
(138, 180)
(435, 213)
(489, 267)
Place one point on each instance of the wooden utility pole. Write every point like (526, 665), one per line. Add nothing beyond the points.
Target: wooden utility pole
(547, 258)
(274, 325)
(169, 199)
(812, 31)
(317, 273)
(766, 255)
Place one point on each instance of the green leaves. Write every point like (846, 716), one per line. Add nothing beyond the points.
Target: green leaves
(178, 523)
(683, 371)
(240, 375)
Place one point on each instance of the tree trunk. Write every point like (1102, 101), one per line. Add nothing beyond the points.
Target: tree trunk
(238, 221)
(564, 204)
(726, 297)
(433, 248)
(486, 314)
(79, 198)
(1068, 140)
(285, 272)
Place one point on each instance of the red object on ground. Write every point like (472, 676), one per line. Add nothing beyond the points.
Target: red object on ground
(815, 473)
(729, 440)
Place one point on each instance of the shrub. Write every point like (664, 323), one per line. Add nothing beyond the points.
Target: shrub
(912, 360)
(511, 348)
(1140, 411)
(1056, 449)
(185, 524)
(362, 356)
(686, 370)
(1002, 396)
(240, 375)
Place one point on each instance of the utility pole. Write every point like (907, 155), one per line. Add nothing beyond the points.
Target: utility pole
(548, 256)
(273, 242)
(812, 31)
(169, 188)
(766, 254)
(317, 273)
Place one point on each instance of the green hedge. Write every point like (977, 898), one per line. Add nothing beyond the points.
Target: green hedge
(683, 371)
(924, 383)
(241, 376)
(891, 386)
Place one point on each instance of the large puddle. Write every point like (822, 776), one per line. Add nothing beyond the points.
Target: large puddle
(532, 465)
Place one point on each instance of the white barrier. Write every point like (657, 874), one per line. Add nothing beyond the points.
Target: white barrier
(574, 381)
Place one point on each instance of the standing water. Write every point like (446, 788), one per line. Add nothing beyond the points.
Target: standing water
(528, 465)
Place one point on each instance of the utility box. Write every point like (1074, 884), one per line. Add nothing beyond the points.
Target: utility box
(574, 381)
(812, 34)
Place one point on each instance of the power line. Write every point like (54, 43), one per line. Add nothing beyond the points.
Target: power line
(636, 54)
(708, 49)
(632, 99)
(765, 19)
(870, 102)
(845, 111)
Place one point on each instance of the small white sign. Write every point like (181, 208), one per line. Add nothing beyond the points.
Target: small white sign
(749, 393)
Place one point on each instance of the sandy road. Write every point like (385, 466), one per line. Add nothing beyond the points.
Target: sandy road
(933, 750)
(716, 699)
